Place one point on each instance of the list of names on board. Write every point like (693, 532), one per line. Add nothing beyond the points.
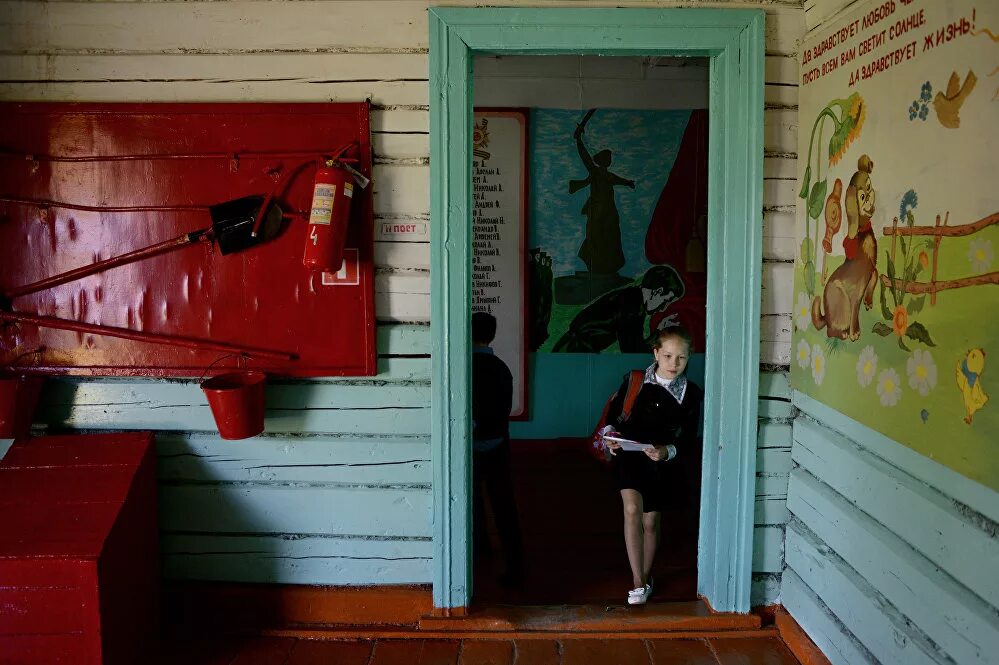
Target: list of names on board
(498, 228)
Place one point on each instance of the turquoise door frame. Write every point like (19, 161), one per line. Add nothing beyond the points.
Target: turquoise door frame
(734, 42)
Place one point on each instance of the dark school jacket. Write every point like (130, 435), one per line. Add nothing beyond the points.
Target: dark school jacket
(658, 419)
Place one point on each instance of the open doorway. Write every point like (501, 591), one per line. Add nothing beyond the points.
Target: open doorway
(589, 236)
(732, 41)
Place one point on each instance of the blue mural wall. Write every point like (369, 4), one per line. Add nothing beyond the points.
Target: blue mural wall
(567, 390)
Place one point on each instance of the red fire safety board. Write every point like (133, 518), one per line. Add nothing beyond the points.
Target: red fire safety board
(82, 183)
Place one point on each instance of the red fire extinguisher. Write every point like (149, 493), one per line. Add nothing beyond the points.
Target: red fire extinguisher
(331, 198)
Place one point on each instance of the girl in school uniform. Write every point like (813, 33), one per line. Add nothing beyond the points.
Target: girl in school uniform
(666, 414)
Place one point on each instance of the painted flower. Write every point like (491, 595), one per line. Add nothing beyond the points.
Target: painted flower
(900, 320)
(980, 254)
(889, 387)
(925, 92)
(818, 364)
(924, 259)
(909, 202)
(804, 354)
(854, 112)
(924, 111)
(802, 312)
(867, 365)
(922, 372)
(913, 110)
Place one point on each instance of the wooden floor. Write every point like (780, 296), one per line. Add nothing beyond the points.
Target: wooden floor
(288, 651)
(573, 531)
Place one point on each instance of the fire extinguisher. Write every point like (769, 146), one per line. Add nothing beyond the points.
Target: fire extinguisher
(331, 198)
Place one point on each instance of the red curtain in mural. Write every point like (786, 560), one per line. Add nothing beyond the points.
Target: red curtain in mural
(677, 233)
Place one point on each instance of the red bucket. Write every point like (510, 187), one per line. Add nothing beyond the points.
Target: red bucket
(18, 399)
(237, 401)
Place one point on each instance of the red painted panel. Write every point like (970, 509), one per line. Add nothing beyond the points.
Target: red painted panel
(64, 485)
(40, 610)
(47, 649)
(60, 451)
(66, 529)
(262, 297)
(78, 551)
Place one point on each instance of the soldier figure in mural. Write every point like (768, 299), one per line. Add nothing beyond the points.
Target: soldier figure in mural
(621, 315)
(601, 248)
(540, 289)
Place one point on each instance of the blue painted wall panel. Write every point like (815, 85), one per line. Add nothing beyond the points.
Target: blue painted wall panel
(893, 560)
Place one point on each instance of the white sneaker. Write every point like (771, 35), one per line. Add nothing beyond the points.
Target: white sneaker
(639, 595)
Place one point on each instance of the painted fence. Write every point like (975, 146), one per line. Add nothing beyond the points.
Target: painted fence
(338, 491)
(938, 232)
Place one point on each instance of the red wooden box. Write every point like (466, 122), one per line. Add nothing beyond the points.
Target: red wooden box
(79, 557)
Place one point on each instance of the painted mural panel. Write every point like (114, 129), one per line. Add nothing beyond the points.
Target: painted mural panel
(618, 240)
(895, 320)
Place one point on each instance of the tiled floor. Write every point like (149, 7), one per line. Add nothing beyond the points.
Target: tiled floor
(287, 651)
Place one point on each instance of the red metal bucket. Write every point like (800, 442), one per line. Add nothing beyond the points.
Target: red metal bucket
(237, 402)
(18, 399)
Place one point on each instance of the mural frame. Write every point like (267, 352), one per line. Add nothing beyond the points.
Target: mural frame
(733, 39)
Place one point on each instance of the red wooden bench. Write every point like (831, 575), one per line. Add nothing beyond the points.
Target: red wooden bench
(79, 557)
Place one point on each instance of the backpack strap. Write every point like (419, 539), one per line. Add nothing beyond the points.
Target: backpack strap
(635, 380)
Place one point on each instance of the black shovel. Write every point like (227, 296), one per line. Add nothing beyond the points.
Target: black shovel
(232, 228)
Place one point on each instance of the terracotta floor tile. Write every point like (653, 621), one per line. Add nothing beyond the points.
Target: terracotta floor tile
(681, 652)
(264, 651)
(200, 651)
(604, 652)
(749, 651)
(330, 652)
(537, 652)
(439, 652)
(486, 652)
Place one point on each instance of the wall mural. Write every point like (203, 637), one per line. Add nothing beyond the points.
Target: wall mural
(619, 239)
(895, 320)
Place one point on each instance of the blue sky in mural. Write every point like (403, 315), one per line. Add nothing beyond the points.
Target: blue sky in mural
(644, 146)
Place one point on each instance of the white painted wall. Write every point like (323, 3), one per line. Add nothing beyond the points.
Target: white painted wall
(890, 556)
(220, 499)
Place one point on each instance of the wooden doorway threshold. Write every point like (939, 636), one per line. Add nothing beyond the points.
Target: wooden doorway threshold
(400, 612)
(690, 619)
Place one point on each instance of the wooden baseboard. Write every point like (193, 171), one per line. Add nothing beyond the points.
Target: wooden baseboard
(200, 607)
(797, 640)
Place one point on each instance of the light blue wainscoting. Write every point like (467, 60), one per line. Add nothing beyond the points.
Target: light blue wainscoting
(773, 464)
(891, 557)
(567, 391)
(336, 491)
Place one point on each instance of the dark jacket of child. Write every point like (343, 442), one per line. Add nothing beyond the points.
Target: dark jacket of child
(658, 418)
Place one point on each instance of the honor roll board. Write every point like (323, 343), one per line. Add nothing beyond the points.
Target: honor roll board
(499, 237)
(81, 183)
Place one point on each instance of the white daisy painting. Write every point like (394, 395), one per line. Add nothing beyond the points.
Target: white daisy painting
(889, 387)
(922, 372)
(818, 364)
(802, 312)
(867, 365)
(804, 354)
(980, 254)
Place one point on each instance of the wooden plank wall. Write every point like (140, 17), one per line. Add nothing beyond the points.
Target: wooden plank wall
(338, 491)
(886, 562)
(891, 557)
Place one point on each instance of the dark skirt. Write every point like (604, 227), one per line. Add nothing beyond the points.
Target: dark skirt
(635, 471)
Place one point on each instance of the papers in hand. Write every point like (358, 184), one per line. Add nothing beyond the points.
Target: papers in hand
(628, 444)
